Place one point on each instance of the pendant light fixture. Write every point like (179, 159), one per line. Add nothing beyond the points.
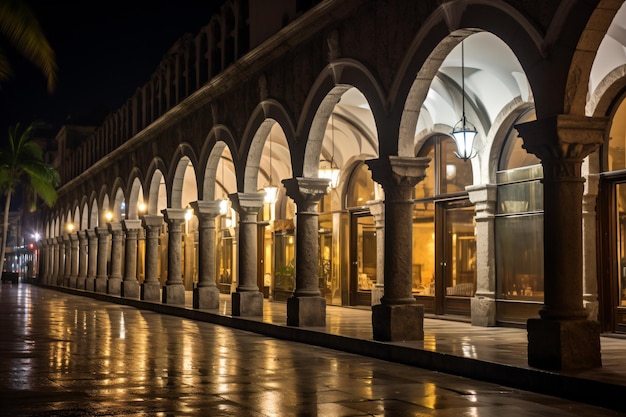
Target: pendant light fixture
(327, 168)
(464, 132)
(271, 191)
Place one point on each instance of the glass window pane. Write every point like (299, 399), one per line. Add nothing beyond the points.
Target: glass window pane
(621, 236)
(617, 139)
(361, 187)
(366, 253)
(519, 257)
(513, 154)
(520, 197)
(424, 249)
(454, 173)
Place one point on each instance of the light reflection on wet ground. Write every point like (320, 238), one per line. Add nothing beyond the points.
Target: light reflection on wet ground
(65, 355)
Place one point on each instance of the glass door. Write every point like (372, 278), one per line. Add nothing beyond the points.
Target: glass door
(456, 251)
(363, 258)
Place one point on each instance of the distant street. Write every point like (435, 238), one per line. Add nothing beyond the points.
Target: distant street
(66, 355)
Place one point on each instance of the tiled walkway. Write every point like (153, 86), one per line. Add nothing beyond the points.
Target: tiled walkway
(492, 354)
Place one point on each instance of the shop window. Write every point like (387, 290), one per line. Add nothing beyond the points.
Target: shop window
(519, 220)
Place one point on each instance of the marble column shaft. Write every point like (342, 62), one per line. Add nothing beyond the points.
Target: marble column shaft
(206, 294)
(563, 338)
(174, 290)
(247, 300)
(73, 260)
(103, 253)
(130, 284)
(398, 317)
(92, 259)
(306, 307)
(114, 282)
(151, 288)
(67, 265)
(82, 259)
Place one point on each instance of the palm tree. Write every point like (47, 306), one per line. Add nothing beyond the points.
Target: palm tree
(19, 25)
(22, 164)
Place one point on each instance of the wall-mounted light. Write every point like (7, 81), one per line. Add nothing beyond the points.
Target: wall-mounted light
(108, 216)
(464, 132)
(70, 227)
(142, 208)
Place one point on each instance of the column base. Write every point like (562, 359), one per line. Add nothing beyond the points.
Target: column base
(90, 284)
(114, 286)
(398, 322)
(80, 283)
(150, 291)
(483, 311)
(247, 303)
(72, 282)
(377, 294)
(563, 344)
(206, 298)
(173, 294)
(306, 311)
(66, 281)
(592, 308)
(101, 285)
(130, 289)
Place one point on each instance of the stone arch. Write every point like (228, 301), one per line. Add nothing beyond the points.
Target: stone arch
(261, 123)
(182, 177)
(337, 78)
(84, 217)
(156, 186)
(93, 211)
(135, 197)
(606, 92)
(219, 136)
(212, 177)
(118, 204)
(441, 33)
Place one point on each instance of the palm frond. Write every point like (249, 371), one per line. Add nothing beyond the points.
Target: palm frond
(20, 26)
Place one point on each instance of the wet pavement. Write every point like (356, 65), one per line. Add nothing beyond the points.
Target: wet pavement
(70, 355)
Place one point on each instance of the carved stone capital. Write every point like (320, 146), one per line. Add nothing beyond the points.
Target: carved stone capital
(247, 203)
(306, 191)
(398, 174)
(563, 137)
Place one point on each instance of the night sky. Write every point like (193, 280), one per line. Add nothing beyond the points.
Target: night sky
(104, 51)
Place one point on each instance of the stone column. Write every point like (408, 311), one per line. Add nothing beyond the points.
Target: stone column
(67, 244)
(73, 260)
(82, 259)
(50, 261)
(590, 271)
(562, 338)
(377, 208)
(247, 300)
(398, 316)
(206, 295)
(130, 284)
(174, 289)
(61, 261)
(306, 307)
(103, 253)
(92, 260)
(151, 288)
(483, 304)
(114, 282)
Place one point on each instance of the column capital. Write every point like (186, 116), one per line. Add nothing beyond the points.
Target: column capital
(206, 207)
(563, 136)
(102, 231)
(91, 233)
(484, 197)
(398, 171)
(114, 227)
(306, 190)
(73, 237)
(172, 215)
(131, 224)
(82, 234)
(247, 203)
(65, 238)
(150, 220)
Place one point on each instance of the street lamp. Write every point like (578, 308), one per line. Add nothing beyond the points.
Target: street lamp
(464, 132)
